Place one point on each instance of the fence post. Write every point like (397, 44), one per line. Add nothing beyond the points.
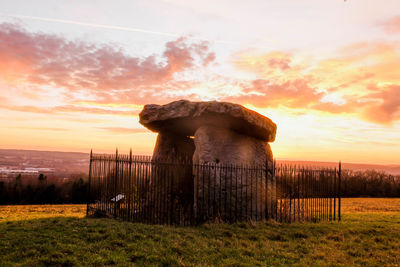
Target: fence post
(88, 191)
(115, 183)
(339, 189)
(334, 195)
(275, 194)
(266, 191)
(129, 185)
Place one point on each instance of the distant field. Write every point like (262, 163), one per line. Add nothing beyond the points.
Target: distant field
(61, 235)
(368, 205)
(30, 212)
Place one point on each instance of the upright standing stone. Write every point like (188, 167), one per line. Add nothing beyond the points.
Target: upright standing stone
(170, 146)
(220, 145)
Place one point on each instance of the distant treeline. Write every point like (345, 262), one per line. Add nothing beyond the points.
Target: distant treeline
(43, 190)
(52, 190)
(369, 183)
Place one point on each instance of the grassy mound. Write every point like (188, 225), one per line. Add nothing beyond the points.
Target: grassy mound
(62, 236)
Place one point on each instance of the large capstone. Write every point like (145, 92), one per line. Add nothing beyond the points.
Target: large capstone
(184, 118)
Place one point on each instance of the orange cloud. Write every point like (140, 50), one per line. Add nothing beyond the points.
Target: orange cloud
(385, 106)
(292, 93)
(272, 63)
(122, 130)
(361, 79)
(392, 25)
(44, 129)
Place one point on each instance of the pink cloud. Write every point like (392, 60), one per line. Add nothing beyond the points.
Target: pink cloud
(272, 63)
(102, 70)
(110, 75)
(385, 106)
(392, 25)
(281, 63)
(348, 107)
(292, 93)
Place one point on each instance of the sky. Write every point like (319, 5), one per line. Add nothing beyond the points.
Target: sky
(74, 75)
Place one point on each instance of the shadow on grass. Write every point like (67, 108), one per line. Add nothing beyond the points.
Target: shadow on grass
(70, 241)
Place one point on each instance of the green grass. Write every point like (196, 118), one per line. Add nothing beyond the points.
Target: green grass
(62, 236)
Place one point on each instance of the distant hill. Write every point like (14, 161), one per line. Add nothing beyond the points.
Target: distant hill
(76, 162)
(391, 169)
(53, 161)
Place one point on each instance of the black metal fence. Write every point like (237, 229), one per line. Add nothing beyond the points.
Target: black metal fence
(180, 192)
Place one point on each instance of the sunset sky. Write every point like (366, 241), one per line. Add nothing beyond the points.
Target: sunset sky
(75, 74)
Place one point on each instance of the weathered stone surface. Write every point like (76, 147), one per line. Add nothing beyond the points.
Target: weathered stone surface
(184, 118)
(172, 146)
(220, 145)
(178, 179)
(244, 192)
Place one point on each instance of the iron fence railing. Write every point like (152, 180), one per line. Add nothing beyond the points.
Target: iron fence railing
(180, 192)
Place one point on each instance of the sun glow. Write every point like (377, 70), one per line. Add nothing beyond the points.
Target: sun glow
(331, 85)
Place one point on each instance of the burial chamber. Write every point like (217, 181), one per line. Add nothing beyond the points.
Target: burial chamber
(214, 133)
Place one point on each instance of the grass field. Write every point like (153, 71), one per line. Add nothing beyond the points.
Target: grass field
(61, 235)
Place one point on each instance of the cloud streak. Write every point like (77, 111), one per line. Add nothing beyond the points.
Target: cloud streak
(122, 130)
(112, 27)
(392, 25)
(69, 109)
(44, 129)
(95, 25)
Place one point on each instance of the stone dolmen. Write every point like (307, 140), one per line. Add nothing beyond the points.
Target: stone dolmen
(218, 134)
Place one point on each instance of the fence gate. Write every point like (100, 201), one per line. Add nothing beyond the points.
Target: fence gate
(181, 192)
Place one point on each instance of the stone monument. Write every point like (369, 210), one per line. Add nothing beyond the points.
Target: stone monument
(214, 133)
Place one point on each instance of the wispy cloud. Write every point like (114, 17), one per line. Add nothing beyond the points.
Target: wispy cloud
(391, 25)
(95, 25)
(69, 109)
(44, 129)
(297, 93)
(121, 130)
(115, 27)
